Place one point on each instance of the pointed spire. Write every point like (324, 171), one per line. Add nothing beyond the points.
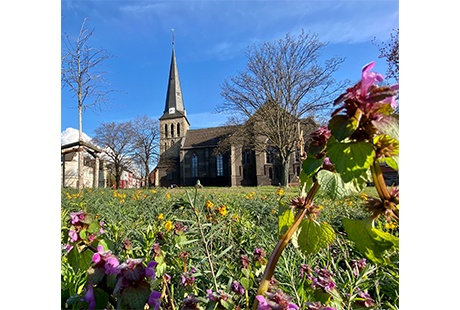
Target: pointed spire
(174, 105)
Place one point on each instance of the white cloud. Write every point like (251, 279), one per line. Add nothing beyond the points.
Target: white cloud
(70, 135)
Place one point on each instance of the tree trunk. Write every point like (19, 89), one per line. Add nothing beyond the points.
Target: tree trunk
(285, 163)
(146, 185)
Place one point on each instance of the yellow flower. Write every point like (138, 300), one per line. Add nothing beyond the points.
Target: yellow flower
(153, 191)
(209, 204)
(168, 225)
(280, 191)
(168, 196)
(235, 217)
(160, 217)
(363, 196)
(222, 210)
(391, 225)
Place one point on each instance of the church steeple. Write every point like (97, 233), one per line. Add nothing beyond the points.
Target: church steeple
(173, 123)
(174, 105)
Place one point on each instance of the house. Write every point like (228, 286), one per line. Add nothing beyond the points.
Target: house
(188, 155)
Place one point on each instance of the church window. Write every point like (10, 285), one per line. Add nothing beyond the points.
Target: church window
(270, 173)
(166, 130)
(270, 155)
(194, 165)
(246, 156)
(172, 130)
(178, 129)
(220, 165)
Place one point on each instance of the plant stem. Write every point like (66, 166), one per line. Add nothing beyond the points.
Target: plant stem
(282, 243)
(203, 238)
(379, 181)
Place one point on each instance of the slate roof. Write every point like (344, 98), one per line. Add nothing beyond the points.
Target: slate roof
(206, 137)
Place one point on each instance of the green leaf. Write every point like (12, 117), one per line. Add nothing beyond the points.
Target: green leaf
(352, 159)
(373, 243)
(94, 227)
(333, 185)
(285, 218)
(136, 297)
(388, 125)
(101, 297)
(392, 162)
(314, 236)
(311, 164)
(342, 126)
(246, 282)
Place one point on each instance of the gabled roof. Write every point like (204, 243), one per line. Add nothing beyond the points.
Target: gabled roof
(206, 137)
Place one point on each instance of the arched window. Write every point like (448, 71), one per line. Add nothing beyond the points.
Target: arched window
(271, 154)
(166, 130)
(194, 165)
(178, 129)
(172, 130)
(220, 165)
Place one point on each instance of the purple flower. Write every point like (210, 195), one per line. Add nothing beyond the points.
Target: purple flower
(150, 270)
(263, 304)
(89, 297)
(155, 300)
(275, 300)
(368, 78)
(67, 247)
(244, 261)
(305, 269)
(73, 235)
(364, 299)
(237, 288)
(77, 216)
(358, 266)
(211, 296)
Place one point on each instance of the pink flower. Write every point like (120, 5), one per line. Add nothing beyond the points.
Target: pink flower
(263, 304)
(369, 78)
(73, 235)
(77, 216)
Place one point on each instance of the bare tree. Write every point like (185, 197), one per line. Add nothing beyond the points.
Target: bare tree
(390, 51)
(146, 141)
(116, 139)
(284, 82)
(80, 65)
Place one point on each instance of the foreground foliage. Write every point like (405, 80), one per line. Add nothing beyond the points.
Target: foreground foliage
(331, 244)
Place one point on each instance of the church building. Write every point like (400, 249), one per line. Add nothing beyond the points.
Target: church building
(188, 155)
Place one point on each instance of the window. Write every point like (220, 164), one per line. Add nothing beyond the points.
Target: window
(220, 165)
(178, 129)
(194, 165)
(166, 130)
(246, 156)
(270, 155)
(172, 130)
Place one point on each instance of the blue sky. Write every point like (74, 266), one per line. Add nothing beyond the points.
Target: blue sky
(211, 38)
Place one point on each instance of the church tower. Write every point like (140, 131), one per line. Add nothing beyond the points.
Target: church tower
(173, 128)
(173, 123)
